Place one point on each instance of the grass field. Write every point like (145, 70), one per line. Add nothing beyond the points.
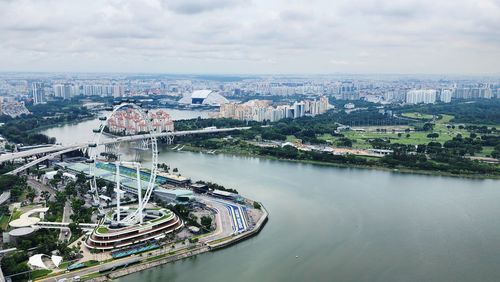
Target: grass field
(102, 230)
(417, 115)
(444, 119)
(361, 138)
(4, 221)
(486, 152)
(16, 214)
(38, 273)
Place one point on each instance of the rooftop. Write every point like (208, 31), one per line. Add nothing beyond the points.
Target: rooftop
(201, 93)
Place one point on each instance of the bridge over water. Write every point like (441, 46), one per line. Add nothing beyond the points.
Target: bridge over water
(47, 153)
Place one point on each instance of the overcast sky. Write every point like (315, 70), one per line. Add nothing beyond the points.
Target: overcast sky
(251, 36)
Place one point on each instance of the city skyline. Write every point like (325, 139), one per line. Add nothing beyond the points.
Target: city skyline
(251, 37)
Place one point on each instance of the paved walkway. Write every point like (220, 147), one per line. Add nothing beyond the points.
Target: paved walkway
(4, 197)
(1, 275)
(66, 218)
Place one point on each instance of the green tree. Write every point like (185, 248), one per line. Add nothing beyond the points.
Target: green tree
(256, 205)
(70, 189)
(46, 196)
(206, 222)
(31, 194)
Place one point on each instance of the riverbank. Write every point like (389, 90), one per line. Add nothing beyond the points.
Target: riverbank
(398, 169)
(59, 124)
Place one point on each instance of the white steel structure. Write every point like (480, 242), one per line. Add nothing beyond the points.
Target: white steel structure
(135, 216)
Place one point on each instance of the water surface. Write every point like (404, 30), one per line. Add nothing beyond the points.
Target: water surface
(343, 224)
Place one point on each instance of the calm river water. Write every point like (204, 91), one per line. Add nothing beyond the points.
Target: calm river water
(343, 224)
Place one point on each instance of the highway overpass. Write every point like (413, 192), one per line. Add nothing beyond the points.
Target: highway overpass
(57, 150)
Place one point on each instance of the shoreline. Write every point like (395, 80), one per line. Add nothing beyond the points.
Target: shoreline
(404, 170)
(150, 263)
(59, 124)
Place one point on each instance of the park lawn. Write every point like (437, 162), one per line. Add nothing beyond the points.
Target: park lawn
(242, 149)
(444, 119)
(486, 152)
(415, 137)
(16, 214)
(326, 137)
(4, 222)
(64, 264)
(291, 138)
(358, 143)
(40, 273)
(102, 230)
(360, 139)
(446, 134)
(417, 115)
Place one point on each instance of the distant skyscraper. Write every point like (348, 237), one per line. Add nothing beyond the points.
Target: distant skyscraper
(348, 91)
(298, 109)
(323, 104)
(66, 91)
(38, 93)
(118, 91)
(473, 92)
(445, 96)
(421, 96)
(58, 90)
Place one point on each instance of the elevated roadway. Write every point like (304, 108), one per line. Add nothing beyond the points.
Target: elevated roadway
(56, 150)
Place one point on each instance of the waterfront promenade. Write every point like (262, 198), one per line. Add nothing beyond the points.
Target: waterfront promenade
(220, 238)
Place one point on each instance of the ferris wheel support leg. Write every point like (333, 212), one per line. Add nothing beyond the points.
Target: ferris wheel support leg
(117, 164)
(139, 191)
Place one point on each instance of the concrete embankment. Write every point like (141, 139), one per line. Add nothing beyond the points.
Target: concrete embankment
(190, 252)
(234, 239)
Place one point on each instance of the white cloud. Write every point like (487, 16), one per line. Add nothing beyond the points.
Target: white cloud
(251, 36)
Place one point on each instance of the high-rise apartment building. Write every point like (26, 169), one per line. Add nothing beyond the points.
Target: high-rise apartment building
(38, 93)
(421, 96)
(66, 91)
(298, 109)
(445, 96)
(118, 91)
(261, 110)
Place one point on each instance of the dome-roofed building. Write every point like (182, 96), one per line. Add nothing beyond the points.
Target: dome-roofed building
(203, 97)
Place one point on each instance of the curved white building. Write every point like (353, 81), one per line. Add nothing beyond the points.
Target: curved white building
(159, 223)
(203, 97)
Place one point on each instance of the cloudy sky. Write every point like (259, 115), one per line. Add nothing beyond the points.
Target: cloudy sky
(251, 36)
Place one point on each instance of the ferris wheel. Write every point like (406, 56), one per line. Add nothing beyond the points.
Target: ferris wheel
(144, 194)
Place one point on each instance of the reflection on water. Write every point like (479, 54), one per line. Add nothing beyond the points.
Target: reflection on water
(82, 131)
